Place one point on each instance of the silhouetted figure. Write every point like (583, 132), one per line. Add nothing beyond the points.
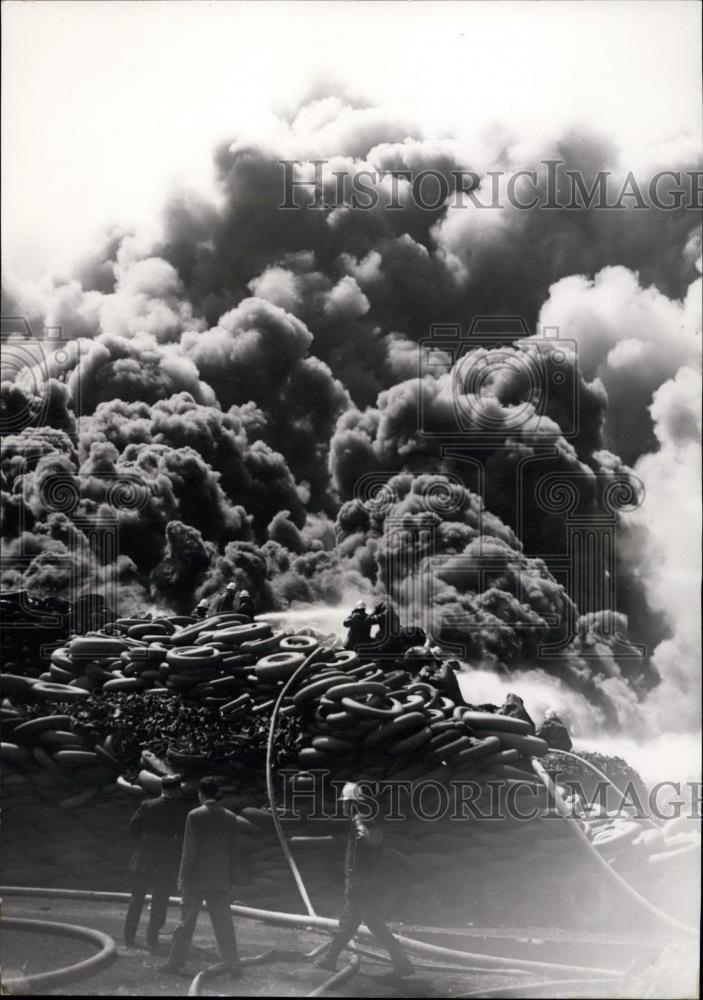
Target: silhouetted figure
(159, 825)
(202, 609)
(209, 865)
(245, 605)
(359, 625)
(447, 681)
(226, 601)
(389, 638)
(515, 707)
(554, 731)
(361, 866)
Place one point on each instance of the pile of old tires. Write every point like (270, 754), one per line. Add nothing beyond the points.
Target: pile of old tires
(361, 720)
(358, 720)
(208, 661)
(625, 838)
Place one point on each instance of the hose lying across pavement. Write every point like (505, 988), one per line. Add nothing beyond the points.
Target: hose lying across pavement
(326, 925)
(317, 923)
(44, 981)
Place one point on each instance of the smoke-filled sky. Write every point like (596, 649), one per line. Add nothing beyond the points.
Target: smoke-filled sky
(250, 376)
(108, 105)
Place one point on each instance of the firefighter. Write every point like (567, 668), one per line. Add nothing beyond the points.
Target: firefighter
(359, 625)
(202, 609)
(226, 600)
(515, 707)
(554, 731)
(246, 605)
(361, 875)
(389, 639)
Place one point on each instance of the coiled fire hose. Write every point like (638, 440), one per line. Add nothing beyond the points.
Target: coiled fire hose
(41, 982)
(612, 875)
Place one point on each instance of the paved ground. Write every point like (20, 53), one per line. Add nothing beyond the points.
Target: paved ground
(136, 971)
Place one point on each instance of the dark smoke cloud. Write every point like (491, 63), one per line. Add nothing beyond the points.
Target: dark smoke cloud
(249, 367)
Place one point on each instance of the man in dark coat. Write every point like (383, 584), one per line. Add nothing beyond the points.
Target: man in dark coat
(225, 602)
(389, 638)
(554, 731)
(361, 875)
(202, 609)
(389, 629)
(515, 707)
(359, 625)
(209, 866)
(158, 823)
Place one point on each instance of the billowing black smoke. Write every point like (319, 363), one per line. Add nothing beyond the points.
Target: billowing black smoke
(240, 400)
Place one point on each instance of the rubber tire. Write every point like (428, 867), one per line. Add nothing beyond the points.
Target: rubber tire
(34, 727)
(279, 666)
(129, 684)
(298, 644)
(410, 744)
(370, 711)
(498, 723)
(72, 759)
(407, 723)
(316, 688)
(58, 692)
(192, 658)
(528, 746)
(235, 635)
(334, 745)
(351, 690)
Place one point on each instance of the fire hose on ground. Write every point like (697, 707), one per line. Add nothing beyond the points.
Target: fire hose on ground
(43, 981)
(311, 921)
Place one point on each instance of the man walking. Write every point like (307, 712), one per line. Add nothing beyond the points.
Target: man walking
(207, 872)
(159, 825)
(361, 874)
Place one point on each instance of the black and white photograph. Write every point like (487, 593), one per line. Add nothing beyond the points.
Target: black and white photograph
(351, 498)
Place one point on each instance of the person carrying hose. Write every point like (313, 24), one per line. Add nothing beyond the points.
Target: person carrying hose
(158, 823)
(361, 874)
(388, 638)
(209, 865)
(359, 625)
